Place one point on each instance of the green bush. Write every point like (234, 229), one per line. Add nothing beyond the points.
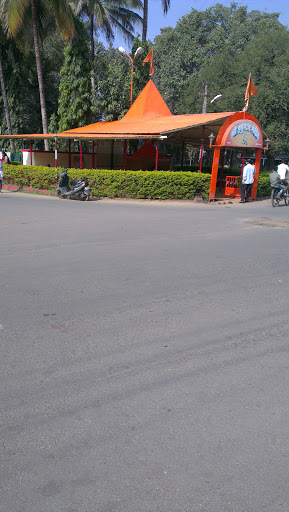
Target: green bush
(30, 176)
(129, 184)
(106, 183)
(235, 171)
(263, 188)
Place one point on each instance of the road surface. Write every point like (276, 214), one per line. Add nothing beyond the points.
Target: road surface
(144, 356)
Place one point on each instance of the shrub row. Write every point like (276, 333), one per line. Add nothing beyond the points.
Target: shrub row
(235, 171)
(106, 183)
(134, 184)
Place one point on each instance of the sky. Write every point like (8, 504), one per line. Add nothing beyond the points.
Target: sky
(157, 20)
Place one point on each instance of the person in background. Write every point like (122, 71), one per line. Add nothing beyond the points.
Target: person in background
(247, 181)
(275, 182)
(5, 158)
(283, 171)
(1, 175)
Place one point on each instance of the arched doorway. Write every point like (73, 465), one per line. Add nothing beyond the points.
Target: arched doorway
(241, 131)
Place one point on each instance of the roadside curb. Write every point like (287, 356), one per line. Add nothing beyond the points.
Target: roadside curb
(17, 188)
(227, 202)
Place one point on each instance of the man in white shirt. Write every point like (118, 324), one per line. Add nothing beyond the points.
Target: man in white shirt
(247, 181)
(1, 175)
(283, 171)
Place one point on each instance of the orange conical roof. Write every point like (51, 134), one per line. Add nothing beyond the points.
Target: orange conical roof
(149, 104)
(145, 151)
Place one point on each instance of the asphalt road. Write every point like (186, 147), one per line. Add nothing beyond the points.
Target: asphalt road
(144, 356)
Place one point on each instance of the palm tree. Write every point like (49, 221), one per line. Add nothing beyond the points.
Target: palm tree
(4, 95)
(165, 4)
(16, 13)
(105, 16)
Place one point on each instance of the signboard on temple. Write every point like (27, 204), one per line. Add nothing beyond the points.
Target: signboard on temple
(243, 133)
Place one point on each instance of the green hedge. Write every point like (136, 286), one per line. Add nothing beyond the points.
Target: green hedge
(235, 171)
(263, 188)
(134, 184)
(106, 183)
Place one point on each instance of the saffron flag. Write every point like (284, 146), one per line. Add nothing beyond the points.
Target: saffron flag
(250, 91)
(149, 58)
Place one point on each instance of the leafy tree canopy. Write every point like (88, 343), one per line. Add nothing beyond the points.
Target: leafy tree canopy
(221, 46)
(201, 38)
(74, 104)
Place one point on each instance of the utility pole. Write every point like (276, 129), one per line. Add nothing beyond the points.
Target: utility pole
(204, 109)
(205, 94)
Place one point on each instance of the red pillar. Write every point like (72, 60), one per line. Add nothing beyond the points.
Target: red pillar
(80, 155)
(157, 155)
(257, 167)
(214, 175)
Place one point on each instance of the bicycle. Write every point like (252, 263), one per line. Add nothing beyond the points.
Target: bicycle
(275, 199)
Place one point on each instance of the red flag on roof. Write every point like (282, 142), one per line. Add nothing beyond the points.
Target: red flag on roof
(149, 58)
(250, 91)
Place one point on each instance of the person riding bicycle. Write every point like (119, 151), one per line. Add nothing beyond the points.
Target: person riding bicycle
(275, 182)
(283, 171)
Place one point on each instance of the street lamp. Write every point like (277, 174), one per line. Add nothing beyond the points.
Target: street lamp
(216, 98)
(267, 142)
(55, 153)
(211, 138)
(205, 94)
(204, 111)
(137, 53)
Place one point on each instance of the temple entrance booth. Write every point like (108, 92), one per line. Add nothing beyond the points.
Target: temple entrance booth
(239, 131)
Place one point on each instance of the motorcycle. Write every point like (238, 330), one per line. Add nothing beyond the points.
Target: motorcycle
(79, 189)
(275, 199)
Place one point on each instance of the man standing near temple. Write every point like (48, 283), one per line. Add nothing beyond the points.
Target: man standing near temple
(247, 181)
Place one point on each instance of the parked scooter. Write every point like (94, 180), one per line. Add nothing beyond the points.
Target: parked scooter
(79, 189)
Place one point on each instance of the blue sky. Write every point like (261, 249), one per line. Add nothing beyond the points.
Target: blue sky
(157, 20)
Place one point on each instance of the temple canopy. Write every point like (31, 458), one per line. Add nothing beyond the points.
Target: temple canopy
(148, 118)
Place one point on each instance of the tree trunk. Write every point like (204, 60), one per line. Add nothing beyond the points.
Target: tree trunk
(92, 53)
(6, 107)
(39, 72)
(145, 20)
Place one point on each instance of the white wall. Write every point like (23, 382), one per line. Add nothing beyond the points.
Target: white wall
(102, 157)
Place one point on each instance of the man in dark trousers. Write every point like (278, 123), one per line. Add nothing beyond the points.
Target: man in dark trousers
(247, 181)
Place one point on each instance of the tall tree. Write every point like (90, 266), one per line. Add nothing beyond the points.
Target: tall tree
(165, 4)
(106, 16)
(74, 105)
(199, 39)
(3, 91)
(221, 46)
(16, 13)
